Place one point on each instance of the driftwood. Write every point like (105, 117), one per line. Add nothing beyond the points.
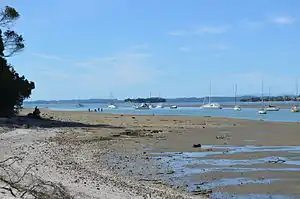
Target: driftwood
(26, 185)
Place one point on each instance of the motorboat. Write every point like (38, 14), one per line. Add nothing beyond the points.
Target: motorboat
(272, 108)
(173, 107)
(237, 108)
(295, 109)
(143, 106)
(262, 111)
(80, 105)
(212, 106)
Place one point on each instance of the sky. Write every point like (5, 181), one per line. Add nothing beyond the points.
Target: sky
(171, 48)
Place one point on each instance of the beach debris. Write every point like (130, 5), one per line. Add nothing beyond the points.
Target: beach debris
(201, 183)
(197, 145)
(277, 161)
(201, 192)
(170, 171)
(220, 137)
(225, 136)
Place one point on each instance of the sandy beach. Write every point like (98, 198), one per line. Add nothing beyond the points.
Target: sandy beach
(125, 156)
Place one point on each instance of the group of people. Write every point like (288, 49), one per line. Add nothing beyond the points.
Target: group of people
(96, 110)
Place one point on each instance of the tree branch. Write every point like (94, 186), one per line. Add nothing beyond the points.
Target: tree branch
(7, 16)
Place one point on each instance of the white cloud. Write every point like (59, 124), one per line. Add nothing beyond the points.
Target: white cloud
(201, 30)
(46, 56)
(184, 49)
(283, 20)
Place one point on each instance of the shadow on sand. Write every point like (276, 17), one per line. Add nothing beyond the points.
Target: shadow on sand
(29, 122)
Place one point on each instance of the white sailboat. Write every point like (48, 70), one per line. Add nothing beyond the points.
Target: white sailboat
(236, 107)
(143, 106)
(111, 104)
(160, 106)
(150, 104)
(270, 107)
(262, 110)
(211, 105)
(296, 109)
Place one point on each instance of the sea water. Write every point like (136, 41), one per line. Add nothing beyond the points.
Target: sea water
(284, 115)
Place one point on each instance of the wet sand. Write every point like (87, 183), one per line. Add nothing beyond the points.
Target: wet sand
(237, 156)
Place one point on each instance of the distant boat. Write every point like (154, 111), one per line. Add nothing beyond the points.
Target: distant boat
(160, 106)
(80, 105)
(111, 104)
(262, 110)
(173, 107)
(271, 107)
(211, 105)
(236, 107)
(143, 106)
(152, 106)
(296, 109)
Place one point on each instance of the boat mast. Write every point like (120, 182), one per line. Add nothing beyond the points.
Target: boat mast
(209, 99)
(111, 97)
(235, 91)
(297, 92)
(262, 93)
(269, 96)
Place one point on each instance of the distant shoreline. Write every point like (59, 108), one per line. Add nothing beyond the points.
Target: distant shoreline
(282, 105)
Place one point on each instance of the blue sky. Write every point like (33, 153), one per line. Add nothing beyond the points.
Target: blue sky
(87, 49)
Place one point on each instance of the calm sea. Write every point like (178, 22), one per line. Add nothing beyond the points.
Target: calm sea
(246, 113)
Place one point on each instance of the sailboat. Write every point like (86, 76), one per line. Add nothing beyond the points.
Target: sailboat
(262, 110)
(211, 105)
(160, 105)
(111, 104)
(150, 104)
(296, 109)
(271, 107)
(143, 106)
(236, 107)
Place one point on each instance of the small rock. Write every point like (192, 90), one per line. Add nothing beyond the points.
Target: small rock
(197, 145)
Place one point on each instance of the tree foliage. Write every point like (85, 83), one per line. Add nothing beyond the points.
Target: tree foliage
(146, 100)
(14, 88)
